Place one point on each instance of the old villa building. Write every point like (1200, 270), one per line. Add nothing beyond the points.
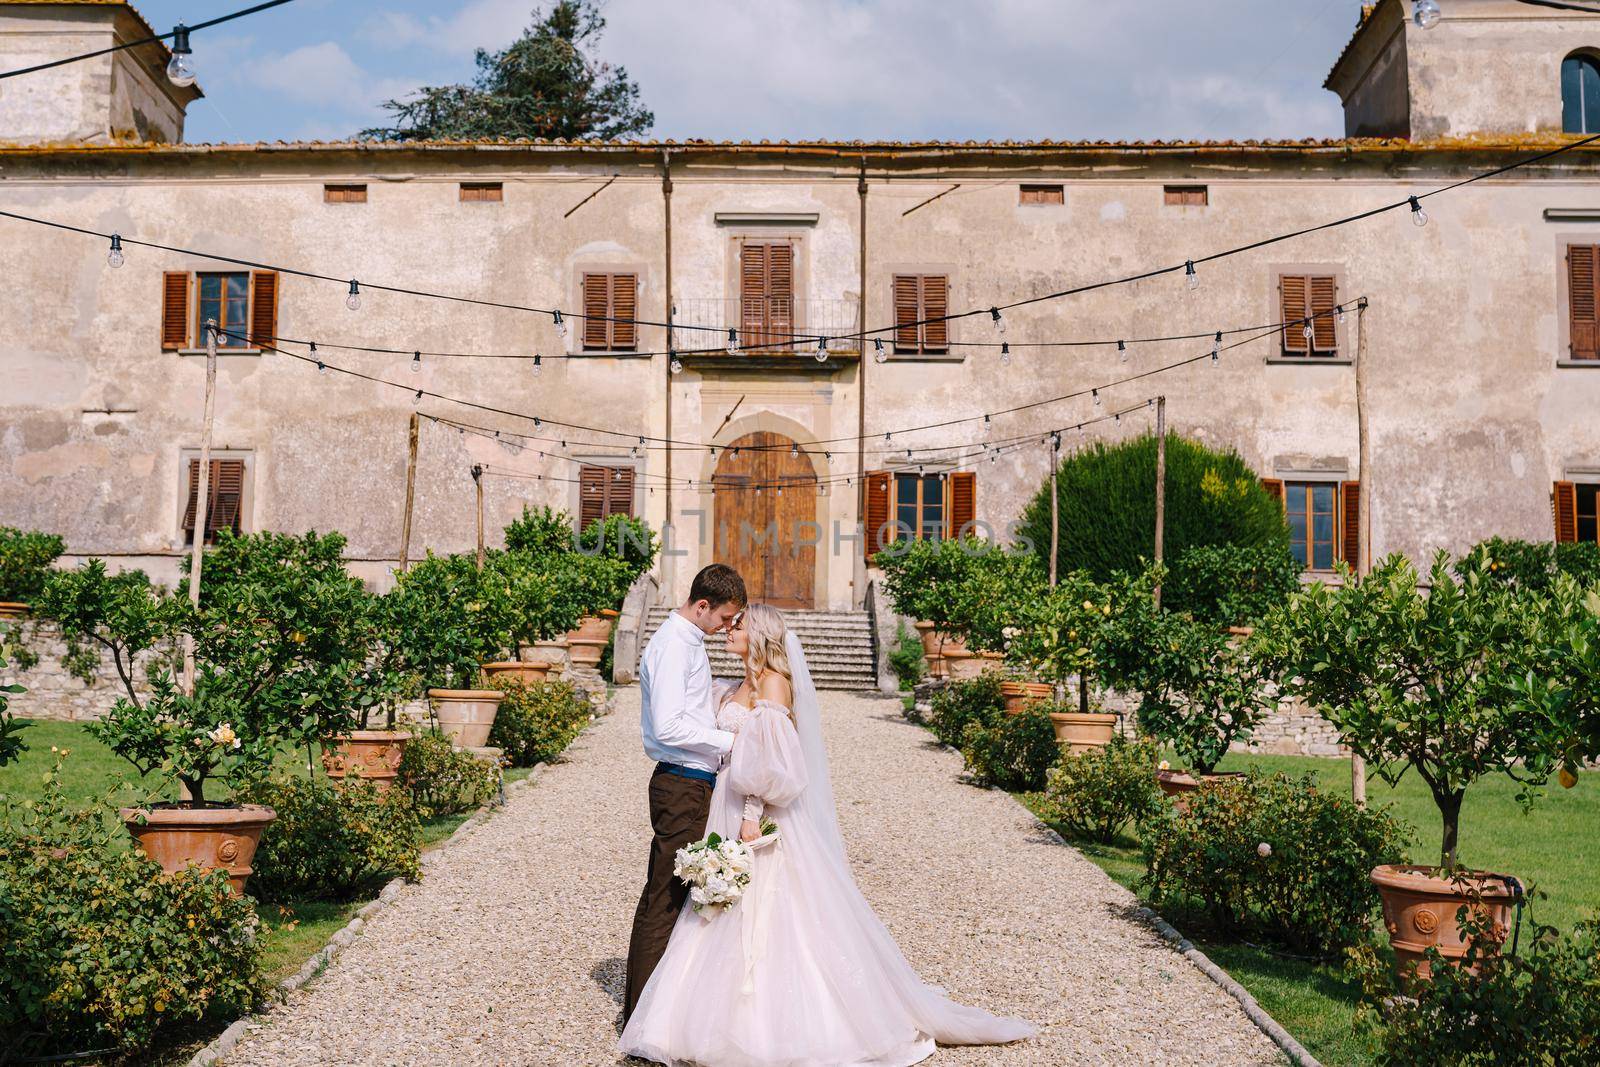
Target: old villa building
(1480, 335)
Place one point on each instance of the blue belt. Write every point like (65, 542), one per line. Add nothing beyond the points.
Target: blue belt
(687, 772)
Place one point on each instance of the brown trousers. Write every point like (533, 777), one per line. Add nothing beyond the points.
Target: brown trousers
(679, 808)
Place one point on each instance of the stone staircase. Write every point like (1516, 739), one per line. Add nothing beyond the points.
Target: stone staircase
(839, 647)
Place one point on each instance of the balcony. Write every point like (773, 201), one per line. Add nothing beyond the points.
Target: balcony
(771, 329)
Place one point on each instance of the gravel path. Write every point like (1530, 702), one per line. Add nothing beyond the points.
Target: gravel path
(511, 949)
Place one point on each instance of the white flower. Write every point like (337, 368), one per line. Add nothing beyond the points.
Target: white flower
(224, 735)
(1263, 850)
(1164, 766)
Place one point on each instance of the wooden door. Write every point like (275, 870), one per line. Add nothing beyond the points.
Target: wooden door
(766, 536)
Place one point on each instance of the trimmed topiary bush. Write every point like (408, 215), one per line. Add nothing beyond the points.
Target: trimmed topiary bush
(100, 949)
(1012, 752)
(331, 840)
(1095, 795)
(537, 721)
(1274, 855)
(25, 559)
(1107, 506)
(443, 780)
(906, 659)
(961, 703)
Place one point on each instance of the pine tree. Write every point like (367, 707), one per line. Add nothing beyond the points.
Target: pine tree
(544, 85)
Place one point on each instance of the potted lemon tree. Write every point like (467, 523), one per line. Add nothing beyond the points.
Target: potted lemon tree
(1471, 678)
(1060, 636)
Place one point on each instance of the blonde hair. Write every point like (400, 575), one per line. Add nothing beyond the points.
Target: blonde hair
(765, 631)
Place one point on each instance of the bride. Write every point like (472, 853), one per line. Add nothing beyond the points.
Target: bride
(799, 973)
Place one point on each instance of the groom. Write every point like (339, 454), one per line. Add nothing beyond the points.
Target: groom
(681, 735)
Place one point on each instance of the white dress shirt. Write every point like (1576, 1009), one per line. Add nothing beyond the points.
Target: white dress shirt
(676, 717)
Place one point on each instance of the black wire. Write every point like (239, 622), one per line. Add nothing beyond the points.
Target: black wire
(143, 40)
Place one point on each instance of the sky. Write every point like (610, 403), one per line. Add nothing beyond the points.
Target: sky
(806, 69)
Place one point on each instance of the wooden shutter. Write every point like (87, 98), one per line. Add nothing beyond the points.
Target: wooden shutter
(1564, 502)
(344, 194)
(1325, 327)
(1350, 519)
(1274, 488)
(877, 511)
(591, 495)
(482, 192)
(174, 310)
(1293, 290)
(753, 293)
(1042, 194)
(963, 507)
(264, 307)
(624, 306)
(619, 491)
(596, 307)
(1186, 195)
(780, 292)
(1583, 300)
(935, 305)
(907, 305)
(224, 496)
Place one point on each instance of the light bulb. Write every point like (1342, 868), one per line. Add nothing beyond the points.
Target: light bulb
(794, 452)
(114, 257)
(1306, 331)
(822, 350)
(416, 363)
(1005, 353)
(180, 68)
(538, 364)
(999, 323)
(1426, 13)
(1418, 216)
(417, 399)
(561, 324)
(1122, 351)
(1190, 276)
(733, 342)
(879, 353)
(1216, 346)
(322, 368)
(353, 301)
(676, 366)
(1341, 314)
(1096, 394)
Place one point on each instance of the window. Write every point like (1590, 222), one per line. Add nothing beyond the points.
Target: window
(1186, 195)
(766, 294)
(344, 194)
(1041, 194)
(1580, 94)
(1583, 301)
(604, 491)
(928, 506)
(243, 305)
(224, 498)
(1323, 518)
(1576, 506)
(482, 192)
(1312, 297)
(917, 298)
(610, 303)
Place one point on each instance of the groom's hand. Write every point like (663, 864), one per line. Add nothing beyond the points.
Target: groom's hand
(749, 831)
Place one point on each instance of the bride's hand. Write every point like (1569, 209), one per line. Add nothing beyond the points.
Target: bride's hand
(749, 831)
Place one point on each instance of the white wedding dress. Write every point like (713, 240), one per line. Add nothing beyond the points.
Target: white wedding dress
(799, 973)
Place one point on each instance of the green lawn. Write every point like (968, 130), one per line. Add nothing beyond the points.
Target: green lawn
(1552, 849)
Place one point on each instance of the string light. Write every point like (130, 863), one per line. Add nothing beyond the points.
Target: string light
(322, 368)
(822, 350)
(538, 365)
(1418, 216)
(1306, 331)
(878, 353)
(417, 399)
(1122, 351)
(561, 324)
(794, 452)
(1005, 354)
(676, 366)
(353, 301)
(1216, 347)
(733, 342)
(999, 323)
(114, 256)
(1190, 276)
(1426, 13)
(180, 69)
(1096, 394)
(416, 363)
(1341, 315)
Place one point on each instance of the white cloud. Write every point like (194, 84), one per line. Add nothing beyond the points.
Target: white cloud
(325, 79)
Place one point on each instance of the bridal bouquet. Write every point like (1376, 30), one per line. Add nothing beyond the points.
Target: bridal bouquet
(717, 870)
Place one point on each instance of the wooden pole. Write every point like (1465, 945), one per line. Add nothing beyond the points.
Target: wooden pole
(202, 501)
(411, 493)
(1161, 487)
(1363, 561)
(1055, 507)
(477, 478)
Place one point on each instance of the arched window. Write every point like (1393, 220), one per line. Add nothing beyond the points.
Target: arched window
(1580, 93)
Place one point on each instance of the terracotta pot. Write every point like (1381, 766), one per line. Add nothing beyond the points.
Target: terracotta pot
(1419, 910)
(930, 643)
(583, 652)
(591, 628)
(206, 837)
(1019, 695)
(12, 611)
(1084, 733)
(553, 652)
(610, 613)
(466, 714)
(516, 671)
(1179, 784)
(370, 754)
(960, 664)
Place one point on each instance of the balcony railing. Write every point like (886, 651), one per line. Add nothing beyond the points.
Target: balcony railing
(766, 325)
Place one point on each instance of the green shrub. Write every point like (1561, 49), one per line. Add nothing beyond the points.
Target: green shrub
(961, 703)
(1094, 795)
(545, 532)
(906, 659)
(443, 780)
(1107, 506)
(1231, 585)
(1275, 855)
(331, 840)
(1013, 752)
(1538, 1007)
(25, 559)
(623, 538)
(11, 746)
(1532, 564)
(536, 722)
(99, 948)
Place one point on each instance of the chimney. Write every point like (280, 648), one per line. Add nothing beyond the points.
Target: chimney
(123, 96)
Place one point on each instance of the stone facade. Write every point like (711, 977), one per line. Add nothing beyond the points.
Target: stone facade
(53, 692)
